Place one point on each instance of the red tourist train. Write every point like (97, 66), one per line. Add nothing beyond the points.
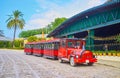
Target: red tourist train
(66, 49)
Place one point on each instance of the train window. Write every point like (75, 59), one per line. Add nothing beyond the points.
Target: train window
(31, 46)
(45, 45)
(26, 45)
(56, 46)
(48, 45)
(42, 46)
(37, 46)
(34, 46)
(52, 47)
(77, 43)
(63, 44)
(70, 44)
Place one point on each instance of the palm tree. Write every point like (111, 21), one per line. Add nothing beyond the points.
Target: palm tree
(15, 21)
(1, 33)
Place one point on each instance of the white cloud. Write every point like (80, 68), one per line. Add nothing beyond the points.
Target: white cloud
(36, 23)
(53, 10)
(41, 20)
(93, 3)
(52, 14)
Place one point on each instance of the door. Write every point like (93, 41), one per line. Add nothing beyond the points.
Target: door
(62, 49)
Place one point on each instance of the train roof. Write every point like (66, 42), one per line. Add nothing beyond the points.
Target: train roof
(45, 41)
(74, 38)
(31, 43)
(53, 40)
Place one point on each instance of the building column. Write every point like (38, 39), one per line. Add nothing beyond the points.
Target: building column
(90, 40)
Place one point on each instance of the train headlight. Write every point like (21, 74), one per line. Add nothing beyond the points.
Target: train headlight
(95, 56)
(77, 56)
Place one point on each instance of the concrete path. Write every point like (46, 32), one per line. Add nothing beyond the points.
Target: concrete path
(113, 61)
(109, 58)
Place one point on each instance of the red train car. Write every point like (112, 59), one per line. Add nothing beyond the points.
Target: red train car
(29, 48)
(73, 50)
(38, 48)
(51, 48)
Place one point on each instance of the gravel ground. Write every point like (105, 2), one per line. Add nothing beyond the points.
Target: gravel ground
(15, 64)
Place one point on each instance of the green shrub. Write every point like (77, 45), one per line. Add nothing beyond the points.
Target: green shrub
(8, 44)
(18, 43)
(32, 38)
(5, 44)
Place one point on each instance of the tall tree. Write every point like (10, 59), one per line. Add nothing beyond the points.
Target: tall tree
(32, 39)
(50, 27)
(1, 33)
(15, 21)
(56, 23)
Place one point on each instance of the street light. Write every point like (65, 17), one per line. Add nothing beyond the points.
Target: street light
(86, 16)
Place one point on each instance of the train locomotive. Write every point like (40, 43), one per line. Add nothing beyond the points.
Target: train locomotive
(65, 50)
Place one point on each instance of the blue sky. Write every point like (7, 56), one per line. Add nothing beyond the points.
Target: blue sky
(39, 13)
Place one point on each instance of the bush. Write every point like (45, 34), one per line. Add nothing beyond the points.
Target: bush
(18, 43)
(8, 44)
(1, 44)
(5, 44)
(32, 38)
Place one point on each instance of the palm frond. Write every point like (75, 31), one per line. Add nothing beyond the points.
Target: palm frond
(1, 33)
(9, 19)
(21, 24)
(11, 24)
(17, 14)
(15, 20)
(10, 15)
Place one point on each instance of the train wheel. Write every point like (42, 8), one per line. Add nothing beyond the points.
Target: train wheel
(60, 60)
(26, 53)
(90, 64)
(72, 63)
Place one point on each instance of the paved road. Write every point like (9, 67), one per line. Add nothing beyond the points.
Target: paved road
(15, 64)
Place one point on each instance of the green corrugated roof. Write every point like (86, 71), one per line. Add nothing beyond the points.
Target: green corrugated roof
(91, 11)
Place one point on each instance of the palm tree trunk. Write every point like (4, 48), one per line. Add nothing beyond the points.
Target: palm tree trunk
(14, 36)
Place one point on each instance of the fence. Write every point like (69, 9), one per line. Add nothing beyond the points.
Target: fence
(105, 46)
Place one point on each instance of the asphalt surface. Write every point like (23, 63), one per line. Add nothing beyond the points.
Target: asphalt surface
(15, 64)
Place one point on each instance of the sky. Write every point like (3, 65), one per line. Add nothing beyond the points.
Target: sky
(40, 13)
